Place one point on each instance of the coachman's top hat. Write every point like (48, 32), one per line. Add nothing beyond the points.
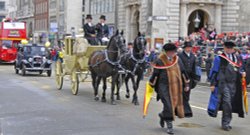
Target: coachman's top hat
(187, 44)
(89, 17)
(229, 44)
(169, 47)
(103, 17)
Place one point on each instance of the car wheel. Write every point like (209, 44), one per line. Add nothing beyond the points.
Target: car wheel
(15, 68)
(40, 72)
(23, 70)
(49, 73)
(17, 71)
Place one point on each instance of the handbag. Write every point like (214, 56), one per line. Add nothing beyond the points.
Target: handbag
(213, 103)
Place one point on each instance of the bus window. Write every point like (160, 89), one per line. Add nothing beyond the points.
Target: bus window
(7, 44)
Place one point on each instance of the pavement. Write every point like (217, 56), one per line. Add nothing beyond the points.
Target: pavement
(31, 105)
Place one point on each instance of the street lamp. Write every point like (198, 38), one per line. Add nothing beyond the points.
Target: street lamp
(197, 20)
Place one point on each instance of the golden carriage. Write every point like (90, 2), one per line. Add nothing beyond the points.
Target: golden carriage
(74, 61)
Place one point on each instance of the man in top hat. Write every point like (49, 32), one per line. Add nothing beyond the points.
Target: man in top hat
(102, 30)
(226, 85)
(89, 30)
(168, 80)
(189, 62)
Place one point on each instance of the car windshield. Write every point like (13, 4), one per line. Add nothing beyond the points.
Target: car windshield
(34, 50)
(7, 44)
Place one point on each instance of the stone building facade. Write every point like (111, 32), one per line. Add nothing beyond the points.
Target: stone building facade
(103, 7)
(163, 20)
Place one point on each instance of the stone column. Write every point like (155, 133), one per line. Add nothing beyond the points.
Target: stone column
(127, 23)
(218, 11)
(183, 20)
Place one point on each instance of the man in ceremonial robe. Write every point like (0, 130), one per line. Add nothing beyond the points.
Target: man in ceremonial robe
(226, 85)
(168, 80)
(189, 63)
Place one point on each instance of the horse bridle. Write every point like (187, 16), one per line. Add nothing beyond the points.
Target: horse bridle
(114, 63)
(137, 61)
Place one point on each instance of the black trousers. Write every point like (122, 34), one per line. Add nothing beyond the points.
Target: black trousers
(187, 107)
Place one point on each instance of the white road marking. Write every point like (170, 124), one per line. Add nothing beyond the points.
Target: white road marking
(200, 108)
(196, 107)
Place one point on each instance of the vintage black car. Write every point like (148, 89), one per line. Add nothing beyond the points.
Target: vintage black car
(32, 58)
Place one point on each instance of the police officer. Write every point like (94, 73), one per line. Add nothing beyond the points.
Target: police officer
(102, 30)
(89, 30)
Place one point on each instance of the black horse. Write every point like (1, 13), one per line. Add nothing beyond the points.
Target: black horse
(134, 64)
(103, 64)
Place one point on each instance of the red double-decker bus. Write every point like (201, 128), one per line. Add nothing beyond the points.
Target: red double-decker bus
(11, 33)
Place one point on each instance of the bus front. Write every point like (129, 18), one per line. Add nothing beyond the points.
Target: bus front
(11, 33)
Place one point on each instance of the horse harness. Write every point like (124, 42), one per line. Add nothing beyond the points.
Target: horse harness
(138, 62)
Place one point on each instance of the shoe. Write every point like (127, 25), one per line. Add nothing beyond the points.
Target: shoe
(170, 127)
(226, 128)
(170, 131)
(161, 121)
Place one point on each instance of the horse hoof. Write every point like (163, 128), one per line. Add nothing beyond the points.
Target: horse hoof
(96, 98)
(104, 100)
(136, 103)
(127, 96)
(118, 98)
(113, 103)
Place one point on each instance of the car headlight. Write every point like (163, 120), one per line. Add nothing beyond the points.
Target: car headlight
(30, 59)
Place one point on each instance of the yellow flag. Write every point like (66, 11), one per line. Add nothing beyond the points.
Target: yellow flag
(147, 97)
(245, 98)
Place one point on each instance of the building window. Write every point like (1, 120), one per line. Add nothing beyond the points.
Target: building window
(2, 6)
(83, 5)
(92, 7)
(110, 5)
(61, 5)
(52, 4)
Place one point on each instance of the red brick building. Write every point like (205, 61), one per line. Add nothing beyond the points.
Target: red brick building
(41, 16)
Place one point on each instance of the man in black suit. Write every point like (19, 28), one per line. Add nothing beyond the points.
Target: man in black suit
(89, 30)
(102, 30)
(189, 62)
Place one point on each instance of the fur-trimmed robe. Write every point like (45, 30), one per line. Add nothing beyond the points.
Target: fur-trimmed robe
(168, 84)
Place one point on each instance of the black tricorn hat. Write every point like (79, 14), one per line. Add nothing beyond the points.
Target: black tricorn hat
(229, 44)
(169, 47)
(187, 44)
(89, 16)
(103, 17)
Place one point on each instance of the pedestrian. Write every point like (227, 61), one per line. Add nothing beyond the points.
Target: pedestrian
(102, 31)
(89, 30)
(189, 62)
(209, 62)
(226, 86)
(168, 79)
(130, 46)
(247, 65)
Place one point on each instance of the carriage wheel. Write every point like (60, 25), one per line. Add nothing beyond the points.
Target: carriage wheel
(59, 76)
(74, 83)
